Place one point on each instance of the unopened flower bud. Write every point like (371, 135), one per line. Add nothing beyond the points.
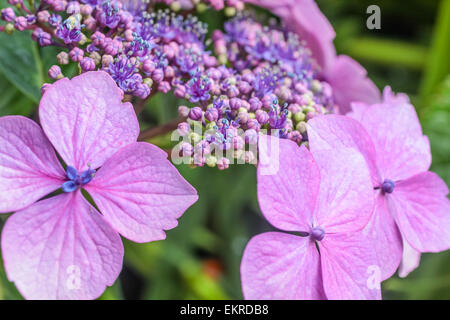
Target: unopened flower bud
(55, 72)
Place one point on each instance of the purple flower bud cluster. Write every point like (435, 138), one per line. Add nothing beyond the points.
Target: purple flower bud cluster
(263, 79)
(256, 77)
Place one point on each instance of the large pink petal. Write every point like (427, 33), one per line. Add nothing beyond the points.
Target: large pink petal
(349, 267)
(402, 149)
(345, 201)
(61, 248)
(350, 84)
(410, 260)
(336, 132)
(387, 241)
(85, 119)
(29, 168)
(358, 110)
(288, 183)
(422, 212)
(281, 266)
(141, 193)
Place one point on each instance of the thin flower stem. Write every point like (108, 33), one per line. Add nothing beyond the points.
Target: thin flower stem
(140, 106)
(159, 130)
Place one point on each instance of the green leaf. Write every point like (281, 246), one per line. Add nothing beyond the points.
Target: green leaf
(436, 127)
(20, 63)
(438, 63)
(13, 101)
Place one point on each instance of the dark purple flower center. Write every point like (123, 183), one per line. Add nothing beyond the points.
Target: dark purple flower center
(317, 233)
(388, 186)
(76, 180)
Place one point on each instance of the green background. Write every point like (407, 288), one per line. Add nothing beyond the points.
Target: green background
(200, 258)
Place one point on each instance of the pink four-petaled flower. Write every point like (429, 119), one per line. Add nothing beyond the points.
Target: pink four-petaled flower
(411, 202)
(62, 247)
(328, 199)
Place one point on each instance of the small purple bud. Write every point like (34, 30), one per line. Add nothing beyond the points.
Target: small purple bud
(169, 51)
(164, 87)
(148, 66)
(41, 37)
(245, 105)
(300, 88)
(195, 113)
(317, 233)
(169, 72)
(202, 148)
(262, 117)
(8, 15)
(87, 64)
(183, 128)
(44, 87)
(253, 124)
(183, 111)
(107, 59)
(232, 91)
(310, 115)
(255, 104)
(59, 5)
(86, 9)
(21, 23)
(215, 89)
(211, 114)
(294, 108)
(31, 19)
(90, 23)
(388, 186)
(158, 75)
(243, 117)
(76, 54)
(199, 160)
(295, 136)
(142, 91)
(186, 149)
(43, 16)
(251, 136)
(244, 87)
(223, 163)
(63, 58)
(98, 38)
(180, 92)
(111, 46)
(235, 103)
(267, 100)
(210, 61)
(214, 74)
(73, 7)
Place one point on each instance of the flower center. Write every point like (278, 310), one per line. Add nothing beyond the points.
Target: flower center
(317, 233)
(388, 186)
(76, 180)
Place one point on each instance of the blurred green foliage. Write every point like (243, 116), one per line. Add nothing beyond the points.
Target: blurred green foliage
(200, 258)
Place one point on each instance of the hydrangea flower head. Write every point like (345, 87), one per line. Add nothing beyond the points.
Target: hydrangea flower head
(327, 200)
(411, 202)
(62, 246)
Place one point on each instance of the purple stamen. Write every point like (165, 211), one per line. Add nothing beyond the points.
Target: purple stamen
(317, 234)
(76, 180)
(388, 186)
